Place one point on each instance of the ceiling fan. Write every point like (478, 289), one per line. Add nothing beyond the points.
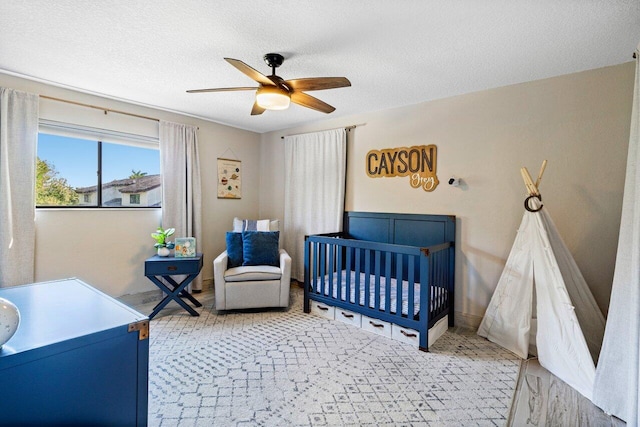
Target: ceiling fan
(274, 93)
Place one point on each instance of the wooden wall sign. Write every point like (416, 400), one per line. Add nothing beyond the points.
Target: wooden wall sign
(417, 162)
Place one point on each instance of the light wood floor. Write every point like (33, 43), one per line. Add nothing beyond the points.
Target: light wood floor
(541, 399)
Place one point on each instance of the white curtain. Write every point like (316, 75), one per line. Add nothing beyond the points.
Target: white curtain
(181, 194)
(315, 172)
(18, 142)
(617, 374)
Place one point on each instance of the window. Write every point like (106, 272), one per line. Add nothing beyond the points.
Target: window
(71, 167)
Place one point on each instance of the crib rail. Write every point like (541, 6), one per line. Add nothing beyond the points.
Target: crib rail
(357, 275)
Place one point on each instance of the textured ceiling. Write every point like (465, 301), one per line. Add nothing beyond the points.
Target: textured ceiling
(394, 52)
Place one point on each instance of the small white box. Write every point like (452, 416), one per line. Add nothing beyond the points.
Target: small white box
(405, 335)
(376, 326)
(348, 317)
(323, 310)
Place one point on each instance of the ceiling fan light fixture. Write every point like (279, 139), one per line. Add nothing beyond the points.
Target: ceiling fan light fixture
(273, 98)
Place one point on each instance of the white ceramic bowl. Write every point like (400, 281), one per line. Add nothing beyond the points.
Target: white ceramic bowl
(9, 320)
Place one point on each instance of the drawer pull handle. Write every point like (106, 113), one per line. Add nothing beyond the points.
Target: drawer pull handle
(322, 308)
(376, 325)
(348, 316)
(172, 268)
(407, 334)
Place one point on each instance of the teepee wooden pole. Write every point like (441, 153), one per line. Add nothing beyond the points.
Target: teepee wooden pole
(524, 179)
(533, 190)
(542, 168)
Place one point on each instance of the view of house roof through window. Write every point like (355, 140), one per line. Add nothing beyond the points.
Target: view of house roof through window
(71, 170)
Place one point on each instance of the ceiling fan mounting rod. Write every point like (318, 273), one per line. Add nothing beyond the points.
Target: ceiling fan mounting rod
(273, 60)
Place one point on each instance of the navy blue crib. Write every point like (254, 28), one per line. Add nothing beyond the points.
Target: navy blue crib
(397, 268)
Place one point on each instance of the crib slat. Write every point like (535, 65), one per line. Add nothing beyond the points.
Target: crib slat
(411, 285)
(338, 271)
(434, 287)
(357, 277)
(436, 283)
(387, 284)
(377, 280)
(347, 271)
(330, 275)
(442, 281)
(443, 277)
(398, 286)
(367, 277)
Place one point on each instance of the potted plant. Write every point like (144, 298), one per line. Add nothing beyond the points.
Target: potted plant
(162, 243)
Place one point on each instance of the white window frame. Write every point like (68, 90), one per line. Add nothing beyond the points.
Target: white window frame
(99, 135)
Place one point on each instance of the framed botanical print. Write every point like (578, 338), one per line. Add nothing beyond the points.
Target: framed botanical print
(229, 179)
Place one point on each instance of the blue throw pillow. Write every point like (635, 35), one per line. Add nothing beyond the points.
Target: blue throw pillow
(234, 249)
(260, 248)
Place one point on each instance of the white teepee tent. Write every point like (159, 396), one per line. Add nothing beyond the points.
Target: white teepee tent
(570, 325)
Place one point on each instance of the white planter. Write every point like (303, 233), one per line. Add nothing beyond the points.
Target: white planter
(9, 320)
(164, 251)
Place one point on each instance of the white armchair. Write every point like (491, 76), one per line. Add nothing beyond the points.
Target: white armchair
(251, 286)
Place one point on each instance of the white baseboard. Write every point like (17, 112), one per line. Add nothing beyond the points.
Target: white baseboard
(464, 320)
(207, 284)
(133, 300)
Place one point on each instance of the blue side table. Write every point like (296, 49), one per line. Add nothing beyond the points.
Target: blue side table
(158, 267)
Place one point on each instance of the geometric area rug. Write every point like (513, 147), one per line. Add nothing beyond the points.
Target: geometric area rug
(288, 368)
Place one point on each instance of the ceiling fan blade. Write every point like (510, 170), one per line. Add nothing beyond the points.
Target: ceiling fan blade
(221, 89)
(318, 83)
(256, 110)
(252, 73)
(309, 101)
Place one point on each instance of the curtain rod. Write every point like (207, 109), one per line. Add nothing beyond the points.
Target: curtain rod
(347, 128)
(110, 110)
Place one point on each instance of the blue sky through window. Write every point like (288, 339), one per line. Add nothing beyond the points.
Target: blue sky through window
(77, 159)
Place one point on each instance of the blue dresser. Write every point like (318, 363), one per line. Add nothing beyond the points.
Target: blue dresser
(79, 357)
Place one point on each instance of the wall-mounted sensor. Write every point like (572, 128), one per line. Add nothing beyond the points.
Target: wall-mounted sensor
(454, 181)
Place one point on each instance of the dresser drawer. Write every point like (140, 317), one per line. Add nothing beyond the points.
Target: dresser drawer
(168, 266)
(324, 310)
(376, 326)
(348, 317)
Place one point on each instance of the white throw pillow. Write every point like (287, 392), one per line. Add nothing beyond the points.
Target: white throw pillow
(273, 225)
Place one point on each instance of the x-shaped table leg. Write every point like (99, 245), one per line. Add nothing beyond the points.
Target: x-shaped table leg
(176, 294)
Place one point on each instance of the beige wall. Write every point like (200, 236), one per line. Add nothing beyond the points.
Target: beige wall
(578, 122)
(107, 248)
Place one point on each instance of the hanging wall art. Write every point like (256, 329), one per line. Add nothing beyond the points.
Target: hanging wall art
(229, 179)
